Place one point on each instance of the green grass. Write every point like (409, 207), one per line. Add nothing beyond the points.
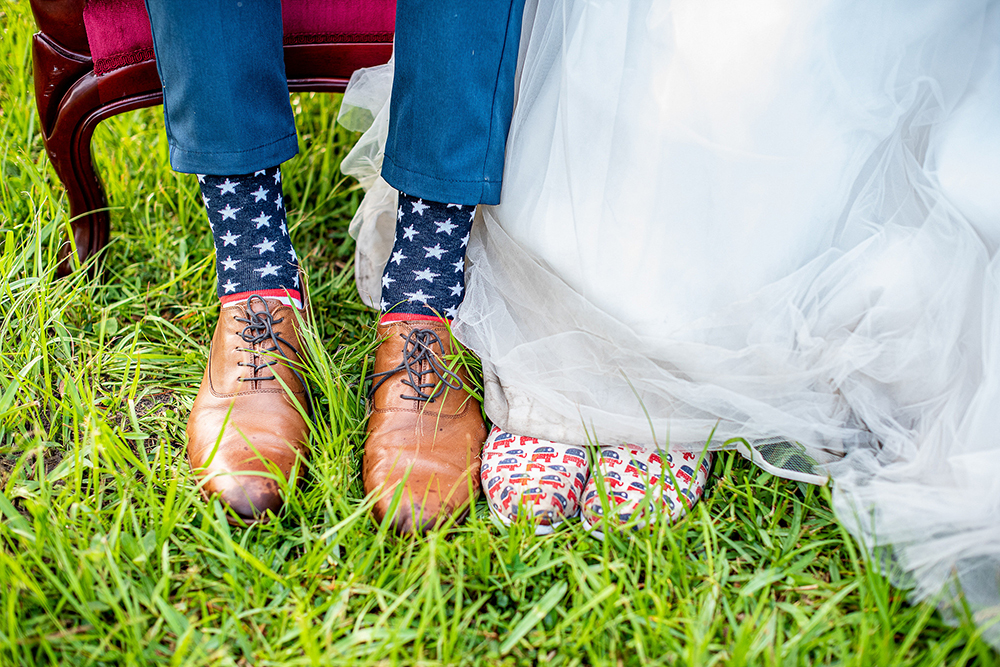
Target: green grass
(108, 555)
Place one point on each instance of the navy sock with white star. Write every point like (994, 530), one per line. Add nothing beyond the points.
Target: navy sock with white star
(253, 252)
(425, 275)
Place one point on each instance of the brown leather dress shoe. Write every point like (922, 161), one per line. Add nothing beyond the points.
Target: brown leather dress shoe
(425, 431)
(244, 426)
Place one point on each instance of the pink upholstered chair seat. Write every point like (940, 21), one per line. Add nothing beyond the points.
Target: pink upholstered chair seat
(118, 30)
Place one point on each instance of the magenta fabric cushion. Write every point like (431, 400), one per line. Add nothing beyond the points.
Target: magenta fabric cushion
(338, 21)
(119, 34)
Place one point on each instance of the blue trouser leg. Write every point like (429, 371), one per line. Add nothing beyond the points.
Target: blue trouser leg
(225, 95)
(452, 98)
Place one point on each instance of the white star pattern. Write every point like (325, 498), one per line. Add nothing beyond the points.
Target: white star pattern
(472, 216)
(248, 214)
(445, 227)
(443, 236)
(434, 252)
(383, 306)
(229, 213)
(268, 270)
(425, 274)
(201, 178)
(265, 246)
(418, 296)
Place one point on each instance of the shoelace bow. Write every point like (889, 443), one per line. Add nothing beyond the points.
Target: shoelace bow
(260, 328)
(417, 351)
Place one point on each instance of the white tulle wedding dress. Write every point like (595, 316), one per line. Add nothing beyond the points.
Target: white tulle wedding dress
(771, 223)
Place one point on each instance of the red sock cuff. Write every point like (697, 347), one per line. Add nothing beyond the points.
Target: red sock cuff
(243, 296)
(405, 317)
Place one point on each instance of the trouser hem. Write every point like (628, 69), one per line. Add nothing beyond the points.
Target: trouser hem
(437, 189)
(228, 163)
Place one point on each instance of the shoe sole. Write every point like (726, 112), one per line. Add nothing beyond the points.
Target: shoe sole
(540, 529)
(232, 521)
(599, 534)
(593, 532)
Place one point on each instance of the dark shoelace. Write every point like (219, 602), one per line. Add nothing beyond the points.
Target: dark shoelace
(260, 328)
(417, 350)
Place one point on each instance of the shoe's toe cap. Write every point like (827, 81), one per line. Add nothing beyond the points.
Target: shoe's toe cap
(242, 469)
(525, 476)
(617, 508)
(637, 483)
(412, 517)
(546, 506)
(417, 490)
(250, 498)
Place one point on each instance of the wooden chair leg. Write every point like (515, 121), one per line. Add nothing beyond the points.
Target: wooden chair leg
(88, 203)
(90, 221)
(65, 98)
(69, 120)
